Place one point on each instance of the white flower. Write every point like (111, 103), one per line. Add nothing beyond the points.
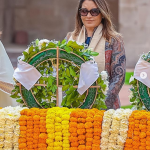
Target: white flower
(41, 42)
(131, 95)
(27, 50)
(131, 79)
(104, 75)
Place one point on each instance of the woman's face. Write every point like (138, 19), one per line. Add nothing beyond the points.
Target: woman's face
(90, 21)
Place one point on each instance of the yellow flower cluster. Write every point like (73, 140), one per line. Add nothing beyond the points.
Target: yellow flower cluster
(57, 124)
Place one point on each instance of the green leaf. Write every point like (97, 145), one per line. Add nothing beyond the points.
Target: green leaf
(37, 42)
(70, 90)
(65, 87)
(94, 53)
(68, 49)
(39, 87)
(67, 72)
(72, 72)
(63, 41)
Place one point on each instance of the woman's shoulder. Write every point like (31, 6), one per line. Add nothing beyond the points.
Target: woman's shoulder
(117, 39)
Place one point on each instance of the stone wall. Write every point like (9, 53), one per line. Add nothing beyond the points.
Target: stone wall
(134, 24)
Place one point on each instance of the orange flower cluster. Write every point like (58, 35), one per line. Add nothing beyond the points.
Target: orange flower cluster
(97, 125)
(85, 128)
(139, 131)
(33, 129)
(43, 133)
(23, 130)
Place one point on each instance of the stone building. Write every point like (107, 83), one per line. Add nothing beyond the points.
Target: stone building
(22, 21)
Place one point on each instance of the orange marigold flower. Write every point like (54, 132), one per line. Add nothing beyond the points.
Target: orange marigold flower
(22, 145)
(22, 123)
(36, 118)
(80, 125)
(81, 142)
(97, 137)
(81, 131)
(89, 119)
(23, 118)
(136, 138)
(89, 139)
(81, 120)
(73, 148)
(142, 135)
(74, 113)
(72, 130)
(73, 119)
(88, 143)
(74, 144)
(73, 139)
(89, 135)
(88, 125)
(23, 128)
(90, 130)
(81, 137)
(29, 118)
(73, 124)
(129, 141)
(98, 118)
(22, 140)
(74, 134)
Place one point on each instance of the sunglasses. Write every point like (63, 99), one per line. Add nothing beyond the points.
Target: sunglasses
(93, 12)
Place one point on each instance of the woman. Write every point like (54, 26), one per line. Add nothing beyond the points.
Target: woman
(94, 27)
(6, 79)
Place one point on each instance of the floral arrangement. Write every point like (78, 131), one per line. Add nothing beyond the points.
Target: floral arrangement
(74, 129)
(68, 76)
(57, 124)
(138, 132)
(135, 98)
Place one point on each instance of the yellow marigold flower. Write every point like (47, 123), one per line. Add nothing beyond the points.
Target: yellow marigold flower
(65, 137)
(66, 134)
(49, 141)
(50, 148)
(50, 121)
(65, 127)
(65, 131)
(57, 124)
(50, 131)
(51, 136)
(66, 145)
(65, 117)
(50, 145)
(58, 119)
(65, 122)
(58, 144)
(66, 141)
(58, 133)
(57, 148)
(50, 126)
(58, 128)
(50, 116)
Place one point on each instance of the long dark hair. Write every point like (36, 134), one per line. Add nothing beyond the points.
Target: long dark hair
(108, 27)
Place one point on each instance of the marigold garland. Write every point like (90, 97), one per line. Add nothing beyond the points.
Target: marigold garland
(138, 133)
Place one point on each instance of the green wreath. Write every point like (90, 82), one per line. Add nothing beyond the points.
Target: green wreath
(140, 93)
(43, 56)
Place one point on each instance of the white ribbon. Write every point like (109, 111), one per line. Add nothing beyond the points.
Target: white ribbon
(88, 75)
(26, 74)
(142, 72)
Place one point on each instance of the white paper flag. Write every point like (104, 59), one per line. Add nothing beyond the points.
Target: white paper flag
(88, 75)
(142, 72)
(26, 74)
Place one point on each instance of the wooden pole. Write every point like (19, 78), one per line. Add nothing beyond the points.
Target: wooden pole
(57, 94)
